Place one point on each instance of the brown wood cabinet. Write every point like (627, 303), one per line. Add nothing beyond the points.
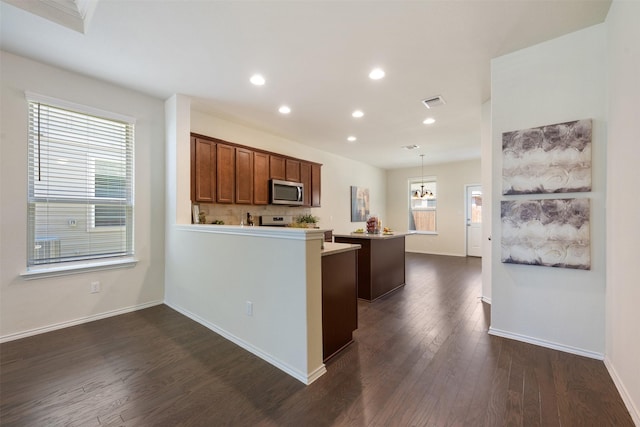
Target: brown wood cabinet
(260, 178)
(203, 173)
(226, 173)
(292, 170)
(305, 179)
(316, 179)
(244, 176)
(276, 167)
(339, 301)
(381, 263)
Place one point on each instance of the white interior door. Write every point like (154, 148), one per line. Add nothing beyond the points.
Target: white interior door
(474, 220)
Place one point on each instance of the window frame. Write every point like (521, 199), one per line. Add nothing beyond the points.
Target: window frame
(94, 258)
(427, 181)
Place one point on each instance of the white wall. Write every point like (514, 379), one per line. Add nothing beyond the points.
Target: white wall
(623, 233)
(338, 173)
(450, 217)
(33, 306)
(553, 82)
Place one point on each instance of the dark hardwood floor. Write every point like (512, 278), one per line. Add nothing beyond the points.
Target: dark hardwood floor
(421, 357)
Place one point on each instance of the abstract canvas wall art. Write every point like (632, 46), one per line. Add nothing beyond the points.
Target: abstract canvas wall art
(550, 232)
(547, 159)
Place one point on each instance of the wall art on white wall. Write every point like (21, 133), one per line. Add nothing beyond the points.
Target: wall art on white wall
(359, 204)
(549, 232)
(547, 159)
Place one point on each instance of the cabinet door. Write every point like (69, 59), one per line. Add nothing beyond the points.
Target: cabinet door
(260, 178)
(305, 179)
(292, 170)
(276, 167)
(315, 185)
(226, 173)
(203, 167)
(244, 176)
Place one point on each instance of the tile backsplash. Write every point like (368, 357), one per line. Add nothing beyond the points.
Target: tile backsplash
(233, 214)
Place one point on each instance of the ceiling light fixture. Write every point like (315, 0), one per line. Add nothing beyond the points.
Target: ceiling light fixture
(257, 80)
(410, 147)
(352, 139)
(284, 109)
(429, 121)
(357, 114)
(421, 194)
(376, 74)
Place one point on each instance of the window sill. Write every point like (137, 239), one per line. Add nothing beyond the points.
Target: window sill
(53, 270)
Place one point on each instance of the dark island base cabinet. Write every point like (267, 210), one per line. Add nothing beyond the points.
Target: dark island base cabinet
(339, 301)
(381, 265)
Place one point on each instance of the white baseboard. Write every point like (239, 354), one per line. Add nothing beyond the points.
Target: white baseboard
(303, 377)
(547, 344)
(626, 398)
(437, 253)
(87, 319)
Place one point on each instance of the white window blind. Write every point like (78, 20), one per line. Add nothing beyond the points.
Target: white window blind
(80, 201)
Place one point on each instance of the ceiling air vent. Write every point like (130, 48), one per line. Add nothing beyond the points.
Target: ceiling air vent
(436, 101)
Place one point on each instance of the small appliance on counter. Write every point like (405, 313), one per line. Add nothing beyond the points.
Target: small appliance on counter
(276, 220)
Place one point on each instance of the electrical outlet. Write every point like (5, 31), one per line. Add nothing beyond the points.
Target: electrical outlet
(95, 287)
(249, 308)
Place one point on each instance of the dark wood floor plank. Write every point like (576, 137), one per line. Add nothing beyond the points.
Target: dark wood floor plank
(421, 356)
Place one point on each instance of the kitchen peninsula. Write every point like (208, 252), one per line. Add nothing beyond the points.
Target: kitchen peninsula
(381, 263)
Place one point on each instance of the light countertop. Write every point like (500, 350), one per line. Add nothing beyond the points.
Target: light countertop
(336, 248)
(372, 235)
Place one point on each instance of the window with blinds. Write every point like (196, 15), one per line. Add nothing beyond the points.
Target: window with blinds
(80, 201)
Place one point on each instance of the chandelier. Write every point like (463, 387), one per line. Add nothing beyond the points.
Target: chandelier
(422, 194)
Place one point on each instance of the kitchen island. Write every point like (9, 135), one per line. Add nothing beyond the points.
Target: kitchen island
(381, 262)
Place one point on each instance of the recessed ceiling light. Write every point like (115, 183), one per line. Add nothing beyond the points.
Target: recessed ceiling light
(376, 74)
(257, 80)
(352, 139)
(429, 121)
(284, 109)
(357, 114)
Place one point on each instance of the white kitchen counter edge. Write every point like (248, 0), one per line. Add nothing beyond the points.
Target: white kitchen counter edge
(290, 233)
(336, 248)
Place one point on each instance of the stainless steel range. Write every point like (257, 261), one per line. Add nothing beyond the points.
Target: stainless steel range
(276, 220)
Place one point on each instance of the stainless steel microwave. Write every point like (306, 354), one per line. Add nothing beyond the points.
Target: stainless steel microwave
(287, 193)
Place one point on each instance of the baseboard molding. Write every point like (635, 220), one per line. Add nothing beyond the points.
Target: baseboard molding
(437, 253)
(303, 377)
(87, 319)
(485, 299)
(626, 398)
(547, 344)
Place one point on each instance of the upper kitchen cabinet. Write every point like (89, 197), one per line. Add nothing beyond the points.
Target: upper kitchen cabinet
(316, 178)
(244, 176)
(260, 178)
(292, 170)
(305, 179)
(225, 172)
(203, 171)
(226, 175)
(276, 167)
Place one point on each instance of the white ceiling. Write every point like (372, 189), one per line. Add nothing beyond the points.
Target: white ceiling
(315, 56)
